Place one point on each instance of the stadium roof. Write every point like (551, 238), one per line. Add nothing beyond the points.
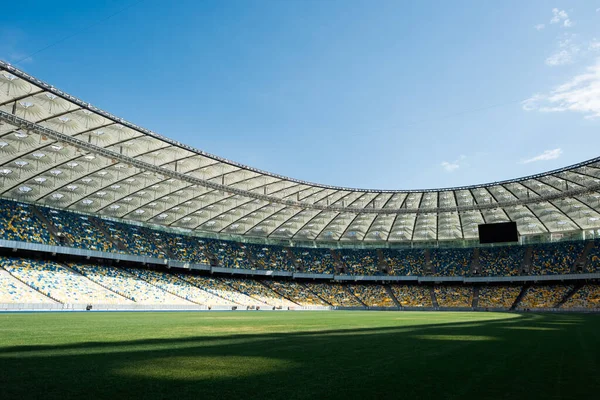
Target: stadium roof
(60, 151)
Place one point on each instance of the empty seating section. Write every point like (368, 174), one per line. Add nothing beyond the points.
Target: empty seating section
(259, 292)
(180, 288)
(588, 297)
(372, 295)
(405, 262)
(186, 248)
(297, 292)
(127, 285)
(60, 283)
(314, 261)
(219, 288)
(498, 296)
(593, 262)
(18, 222)
(555, 258)
(412, 295)
(451, 262)
(334, 294)
(454, 296)
(228, 254)
(79, 230)
(360, 262)
(136, 240)
(501, 261)
(270, 257)
(544, 296)
(14, 291)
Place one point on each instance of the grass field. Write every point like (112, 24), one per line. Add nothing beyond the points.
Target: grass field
(299, 355)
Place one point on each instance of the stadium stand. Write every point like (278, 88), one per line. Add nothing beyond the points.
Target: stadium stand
(178, 287)
(59, 282)
(127, 285)
(454, 296)
(315, 261)
(296, 292)
(18, 222)
(555, 258)
(412, 295)
(500, 261)
(372, 295)
(334, 294)
(219, 288)
(14, 291)
(544, 296)
(360, 262)
(136, 240)
(451, 262)
(498, 296)
(186, 248)
(78, 229)
(260, 292)
(587, 297)
(405, 262)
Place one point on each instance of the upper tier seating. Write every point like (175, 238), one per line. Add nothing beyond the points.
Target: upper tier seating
(544, 296)
(270, 257)
(18, 222)
(136, 240)
(79, 230)
(454, 296)
(127, 285)
(498, 296)
(360, 262)
(588, 297)
(186, 248)
(405, 262)
(412, 295)
(451, 262)
(60, 283)
(315, 261)
(229, 254)
(501, 261)
(555, 258)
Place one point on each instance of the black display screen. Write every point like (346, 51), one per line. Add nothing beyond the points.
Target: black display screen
(502, 232)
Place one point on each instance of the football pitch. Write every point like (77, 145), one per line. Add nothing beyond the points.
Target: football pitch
(299, 355)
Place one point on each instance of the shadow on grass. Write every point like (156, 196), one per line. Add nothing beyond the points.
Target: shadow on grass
(511, 358)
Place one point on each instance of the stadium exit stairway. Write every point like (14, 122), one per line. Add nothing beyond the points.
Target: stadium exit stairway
(392, 296)
(569, 295)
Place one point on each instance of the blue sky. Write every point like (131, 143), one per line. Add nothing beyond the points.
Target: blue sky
(385, 94)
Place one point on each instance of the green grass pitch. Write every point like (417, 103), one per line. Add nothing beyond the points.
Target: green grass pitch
(299, 355)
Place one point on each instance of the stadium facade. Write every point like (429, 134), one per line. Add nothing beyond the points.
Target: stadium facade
(95, 200)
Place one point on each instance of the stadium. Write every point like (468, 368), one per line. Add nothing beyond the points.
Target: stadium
(134, 265)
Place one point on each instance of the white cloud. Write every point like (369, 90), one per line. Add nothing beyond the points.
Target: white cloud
(539, 27)
(545, 156)
(566, 53)
(561, 57)
(454, 165)
(558, 16)
(450, 166)
(594, 45)
(580, 94)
